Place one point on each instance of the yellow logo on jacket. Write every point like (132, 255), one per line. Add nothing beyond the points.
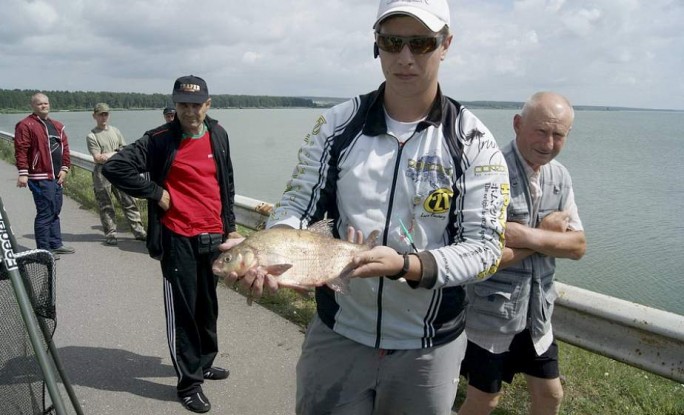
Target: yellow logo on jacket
(439, 201)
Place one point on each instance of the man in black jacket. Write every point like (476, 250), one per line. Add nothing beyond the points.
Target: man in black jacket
(190, 194)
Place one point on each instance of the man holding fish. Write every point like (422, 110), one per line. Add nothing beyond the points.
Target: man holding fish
(419, 172)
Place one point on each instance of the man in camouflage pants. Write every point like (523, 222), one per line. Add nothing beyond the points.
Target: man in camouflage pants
(103, 141)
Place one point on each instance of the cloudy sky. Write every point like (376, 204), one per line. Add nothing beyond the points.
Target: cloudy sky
(598, 52)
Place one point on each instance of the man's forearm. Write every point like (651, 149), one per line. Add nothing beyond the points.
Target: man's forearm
(570, 244)
(511, 256)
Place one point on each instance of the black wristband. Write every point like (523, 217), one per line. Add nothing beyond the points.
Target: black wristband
(403, 271)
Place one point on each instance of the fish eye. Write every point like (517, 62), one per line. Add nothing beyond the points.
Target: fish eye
(228, 258)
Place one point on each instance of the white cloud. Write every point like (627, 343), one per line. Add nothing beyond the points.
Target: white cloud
(581, 48)
(251, 57)
(598, 52)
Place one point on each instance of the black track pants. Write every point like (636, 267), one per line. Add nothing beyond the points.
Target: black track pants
(191, 308)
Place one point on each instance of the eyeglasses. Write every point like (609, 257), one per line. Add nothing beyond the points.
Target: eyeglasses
(104, 114)
(418, 45)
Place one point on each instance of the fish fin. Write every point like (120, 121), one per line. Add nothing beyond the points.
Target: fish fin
(303, 290)
(278, 269)
(322, 227)
(340, 284)
(372, 239)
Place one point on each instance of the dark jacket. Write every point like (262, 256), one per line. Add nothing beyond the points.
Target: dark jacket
(154, 152)
(32, 148)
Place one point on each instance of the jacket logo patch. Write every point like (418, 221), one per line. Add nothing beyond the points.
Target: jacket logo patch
(430, 169)
(490, 169)
(320, 122)
(439, 201)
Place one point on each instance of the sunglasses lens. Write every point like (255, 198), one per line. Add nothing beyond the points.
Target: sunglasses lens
(422, 45)
(391, 44)
(417, 45)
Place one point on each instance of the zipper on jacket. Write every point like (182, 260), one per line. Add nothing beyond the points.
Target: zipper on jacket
(388, 219)
(51, 172)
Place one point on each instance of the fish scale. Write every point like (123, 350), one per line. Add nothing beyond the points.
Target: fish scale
(299, 258)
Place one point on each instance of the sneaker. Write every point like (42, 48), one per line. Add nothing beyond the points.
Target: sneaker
(110, 240)
(196, 402)
(215, 373)
(142, 236)
(63, 250)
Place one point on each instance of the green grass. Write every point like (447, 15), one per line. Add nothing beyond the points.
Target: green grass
(6, 151)
(598, 385)
(594, 385)
(79, 186)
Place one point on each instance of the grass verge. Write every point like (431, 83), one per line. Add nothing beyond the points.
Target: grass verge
(594, 385)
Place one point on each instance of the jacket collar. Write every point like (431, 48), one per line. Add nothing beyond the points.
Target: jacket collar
(178, 131)
(375, 116)
(37, 118)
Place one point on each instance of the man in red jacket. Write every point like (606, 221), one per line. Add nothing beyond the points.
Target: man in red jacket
(42, 152)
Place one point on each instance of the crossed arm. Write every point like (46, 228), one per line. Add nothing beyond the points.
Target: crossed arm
(553, 238)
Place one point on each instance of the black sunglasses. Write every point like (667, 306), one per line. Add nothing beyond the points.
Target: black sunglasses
(418, 45)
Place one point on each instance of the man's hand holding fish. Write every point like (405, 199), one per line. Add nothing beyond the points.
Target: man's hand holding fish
(253, 279)
(301, 260)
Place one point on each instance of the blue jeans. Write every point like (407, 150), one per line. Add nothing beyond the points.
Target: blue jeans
(47, 195)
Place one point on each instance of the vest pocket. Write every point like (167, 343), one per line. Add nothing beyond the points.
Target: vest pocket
(550, 294)
(542, 300)
(499, 295)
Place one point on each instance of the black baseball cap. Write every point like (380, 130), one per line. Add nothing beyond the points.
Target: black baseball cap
(190, 89)
(169, 110)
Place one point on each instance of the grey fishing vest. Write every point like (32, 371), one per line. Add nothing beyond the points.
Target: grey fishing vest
(522, 295)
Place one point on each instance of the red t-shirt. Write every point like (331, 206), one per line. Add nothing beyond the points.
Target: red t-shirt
(194, 189)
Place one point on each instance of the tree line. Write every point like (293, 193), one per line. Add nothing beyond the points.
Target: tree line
(19, 100)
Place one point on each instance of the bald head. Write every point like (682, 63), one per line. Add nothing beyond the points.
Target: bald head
(542, 127)
(554, 104)
(40, 105)
(39, 97)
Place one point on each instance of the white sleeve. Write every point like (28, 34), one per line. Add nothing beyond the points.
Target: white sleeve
(481, 211)
(570, 206)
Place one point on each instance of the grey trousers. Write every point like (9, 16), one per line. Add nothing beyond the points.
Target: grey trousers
(103, 194)
(338, 376)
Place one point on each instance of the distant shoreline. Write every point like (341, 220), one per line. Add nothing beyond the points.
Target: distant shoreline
(17, 101)
(470, 105)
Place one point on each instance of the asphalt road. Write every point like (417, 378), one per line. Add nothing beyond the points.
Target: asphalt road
(110, 326)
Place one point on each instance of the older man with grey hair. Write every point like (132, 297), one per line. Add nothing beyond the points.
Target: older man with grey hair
(509, 315)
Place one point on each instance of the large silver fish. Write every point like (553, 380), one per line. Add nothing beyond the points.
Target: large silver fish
(299, 258)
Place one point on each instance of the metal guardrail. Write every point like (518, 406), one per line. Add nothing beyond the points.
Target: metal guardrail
(641, 336)
(644, 337)
(250, 213)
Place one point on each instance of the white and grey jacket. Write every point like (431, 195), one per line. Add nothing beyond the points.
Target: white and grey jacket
(448, 185)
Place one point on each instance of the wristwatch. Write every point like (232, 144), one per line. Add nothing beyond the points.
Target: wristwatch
(403, 271)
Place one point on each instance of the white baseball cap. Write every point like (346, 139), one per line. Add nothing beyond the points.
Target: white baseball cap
(434, 14)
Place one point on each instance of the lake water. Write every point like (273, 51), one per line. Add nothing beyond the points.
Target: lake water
(624, 166)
